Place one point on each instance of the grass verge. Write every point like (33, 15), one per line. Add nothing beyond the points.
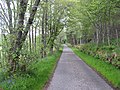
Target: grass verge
(109, 72)
(39, 74)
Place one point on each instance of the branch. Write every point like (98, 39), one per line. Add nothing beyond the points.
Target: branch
(4, 15)
(10, 15)
(31, 18)
(95, 24)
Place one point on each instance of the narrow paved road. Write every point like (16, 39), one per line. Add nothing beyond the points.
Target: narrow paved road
(73, 74)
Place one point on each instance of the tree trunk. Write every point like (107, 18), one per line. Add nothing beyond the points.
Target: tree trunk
(51, 49)
(29, 41)
(117, 37)
(14, 52)
(108, 35)
(32, 37)
(46, 28)
(43, 33)
(35, 38)
(97, 36)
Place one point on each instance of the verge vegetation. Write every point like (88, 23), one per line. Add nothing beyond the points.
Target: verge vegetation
(37, 75)
(108, 71)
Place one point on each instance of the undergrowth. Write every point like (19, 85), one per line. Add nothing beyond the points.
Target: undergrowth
(36, 77)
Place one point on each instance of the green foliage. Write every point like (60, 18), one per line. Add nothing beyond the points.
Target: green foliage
(108, 48)
(37, 75)
(109, 54)
(93, 20)
(107, 70)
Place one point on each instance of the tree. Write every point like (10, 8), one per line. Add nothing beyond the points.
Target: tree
(96, 18)
(20, 33)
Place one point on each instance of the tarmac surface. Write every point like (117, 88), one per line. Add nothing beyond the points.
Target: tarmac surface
(73, 74)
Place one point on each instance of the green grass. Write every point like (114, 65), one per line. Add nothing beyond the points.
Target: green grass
(108, 71)
(39, 75)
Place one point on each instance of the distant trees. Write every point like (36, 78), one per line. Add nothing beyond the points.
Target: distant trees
(99, 20)
(93, 26)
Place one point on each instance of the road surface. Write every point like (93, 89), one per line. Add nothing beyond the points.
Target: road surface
(73, 74)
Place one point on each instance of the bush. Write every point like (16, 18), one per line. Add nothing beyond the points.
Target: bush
(109, 54)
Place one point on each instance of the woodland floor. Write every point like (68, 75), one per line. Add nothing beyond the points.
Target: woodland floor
(73, 74)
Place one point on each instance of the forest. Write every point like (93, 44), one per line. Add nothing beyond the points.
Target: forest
(32, 34)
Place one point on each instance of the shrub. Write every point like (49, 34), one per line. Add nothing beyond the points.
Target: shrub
(109, 54)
